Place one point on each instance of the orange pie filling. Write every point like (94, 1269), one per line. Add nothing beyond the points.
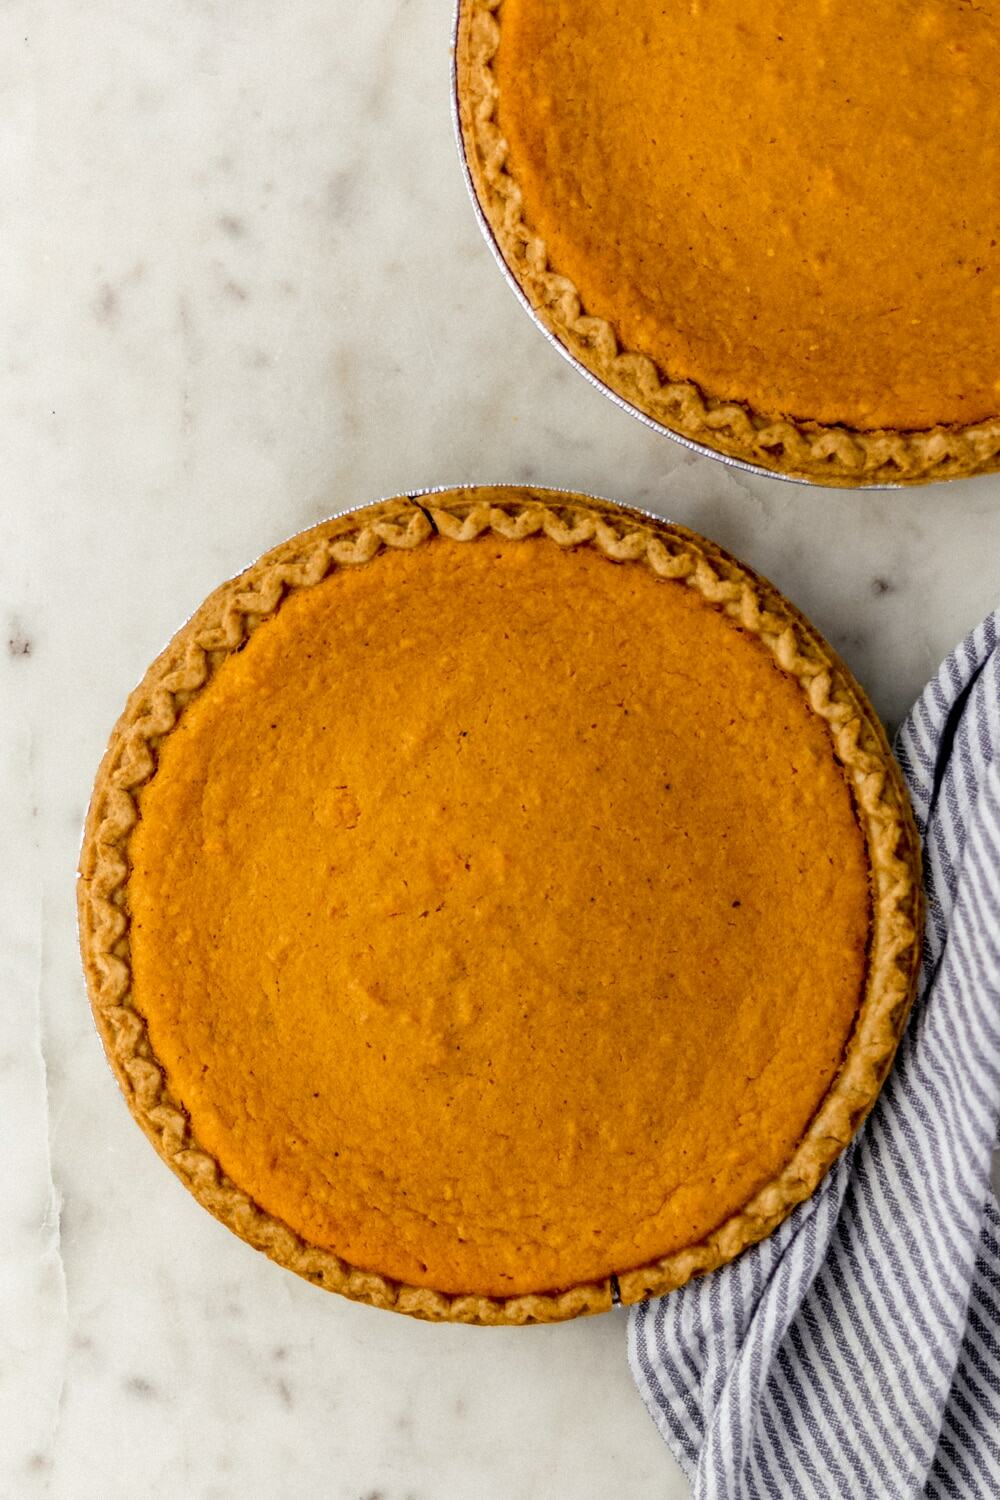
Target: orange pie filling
(499, 915)
(795, 203)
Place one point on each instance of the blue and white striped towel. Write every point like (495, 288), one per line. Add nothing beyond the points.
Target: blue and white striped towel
(857, 1352)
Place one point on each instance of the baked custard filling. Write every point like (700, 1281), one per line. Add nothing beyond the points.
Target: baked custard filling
(499, 915)
(794, 204)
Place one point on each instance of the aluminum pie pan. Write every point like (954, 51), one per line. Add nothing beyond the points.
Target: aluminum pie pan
(702, 449)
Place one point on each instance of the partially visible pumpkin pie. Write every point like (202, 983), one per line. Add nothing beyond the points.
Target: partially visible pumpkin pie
(499, 904)
(774, 228)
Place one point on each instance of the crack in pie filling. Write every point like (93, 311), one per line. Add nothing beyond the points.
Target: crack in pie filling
(487, 898)
(774, 228)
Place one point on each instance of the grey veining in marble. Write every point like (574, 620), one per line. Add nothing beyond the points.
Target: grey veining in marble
(240, 287)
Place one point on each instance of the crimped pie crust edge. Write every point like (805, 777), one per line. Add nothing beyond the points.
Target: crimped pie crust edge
(223, 624)
(821, 453)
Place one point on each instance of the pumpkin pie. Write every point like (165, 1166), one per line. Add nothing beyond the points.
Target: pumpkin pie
(772, 228)
(498, 905)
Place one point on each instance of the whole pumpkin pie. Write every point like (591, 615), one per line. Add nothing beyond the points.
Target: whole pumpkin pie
(499, 905)
(773, 228)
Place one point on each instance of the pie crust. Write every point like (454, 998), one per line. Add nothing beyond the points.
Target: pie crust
(224, 624)
(824, 452)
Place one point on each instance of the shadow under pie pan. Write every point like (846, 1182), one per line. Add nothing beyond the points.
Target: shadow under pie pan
(497, 903)
(719, 215)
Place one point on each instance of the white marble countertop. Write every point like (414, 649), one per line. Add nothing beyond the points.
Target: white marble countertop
(242, 287)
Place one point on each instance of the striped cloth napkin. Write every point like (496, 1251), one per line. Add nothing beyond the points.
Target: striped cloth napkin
(857, 1351)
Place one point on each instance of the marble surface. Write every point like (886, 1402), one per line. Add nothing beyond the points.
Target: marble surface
(242, 287)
